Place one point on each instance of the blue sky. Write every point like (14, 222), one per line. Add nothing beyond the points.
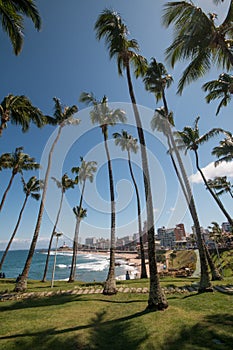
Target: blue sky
(65, 59)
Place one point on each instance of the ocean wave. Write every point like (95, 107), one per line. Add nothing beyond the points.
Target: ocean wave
(61, 266)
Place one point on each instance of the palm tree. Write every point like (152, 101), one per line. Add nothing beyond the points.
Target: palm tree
(129, 143)
(84, 172)
(19, 110)
(18, 162)
(31, 188)
(190, 139)
(198, 39)
(110, 26)
(221, 88)
(65, 184)
(224, 151)
(156, 81)
(80, 214)
(220, 185)
(12, 13)
(61, 118)
(101, 114)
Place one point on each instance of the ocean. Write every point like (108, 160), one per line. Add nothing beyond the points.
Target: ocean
(90, 267)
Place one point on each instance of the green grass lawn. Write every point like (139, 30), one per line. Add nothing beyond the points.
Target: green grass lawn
(191, 322)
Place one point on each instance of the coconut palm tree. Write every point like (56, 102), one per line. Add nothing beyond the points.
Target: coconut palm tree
(220, 185)
(222, 88)
(85, 172)
(61, 118)
(110, 26)
(157, 80)
(198, 39)
(12, 13)
(31, 189)
(18, 162)
(80, 214)
(19, 110)
(101, 114)
(190, 139)
(65, 184)
(224, 151)
(128, 143)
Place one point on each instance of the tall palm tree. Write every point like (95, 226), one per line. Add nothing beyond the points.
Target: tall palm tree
(157, 80)
(198, 39)
(110, 26)
(18, 162)
(220, 88)
(19, 110)
(31, 188)
(61, 118)
(101, 114)
(220, 185)
(65, 184)
(85, 172)
(190, 139)
(224, 151)
(128, 143)
(12, 13)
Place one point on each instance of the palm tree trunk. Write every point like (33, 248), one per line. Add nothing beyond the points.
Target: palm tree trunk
(110, 283)
(51, 238)
(14, 232)
(143, 262)
(7, 190)
(22, 283)
(217, 200)
(205, 284)
(214, 271)
(75, 242)
(157, 299)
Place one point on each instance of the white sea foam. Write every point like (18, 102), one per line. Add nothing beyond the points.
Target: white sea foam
(62, 266)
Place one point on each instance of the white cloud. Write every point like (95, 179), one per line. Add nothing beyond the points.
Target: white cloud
(210, 171)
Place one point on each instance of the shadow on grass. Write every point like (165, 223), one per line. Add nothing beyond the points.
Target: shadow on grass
(212, 332)
(103, 334)
(39, 302)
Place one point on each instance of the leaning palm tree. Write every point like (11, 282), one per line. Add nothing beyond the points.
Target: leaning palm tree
(101, 114)
(31, 188)
(18, 161)
(65, 184)
(19, 110)
(110, 26)
(84, 172)
(222, 88)
(128, 143)
(224, 152)
(12, 13)
(198, 39)
(61, 118)
(190, 139)
(157, 80)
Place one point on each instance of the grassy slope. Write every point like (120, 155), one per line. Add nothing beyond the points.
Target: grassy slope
(192, 322)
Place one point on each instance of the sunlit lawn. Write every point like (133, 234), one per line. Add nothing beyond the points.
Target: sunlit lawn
(192, 322)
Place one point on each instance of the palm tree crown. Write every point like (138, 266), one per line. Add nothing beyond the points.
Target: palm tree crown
(20, 111)
(221, 88)
(198, 39)
(101, 114)
(12, 13)
(225, 150)
(126, 141)
(85, 171)
(110, 26)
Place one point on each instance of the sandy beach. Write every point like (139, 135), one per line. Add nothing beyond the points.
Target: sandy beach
(132, 260)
